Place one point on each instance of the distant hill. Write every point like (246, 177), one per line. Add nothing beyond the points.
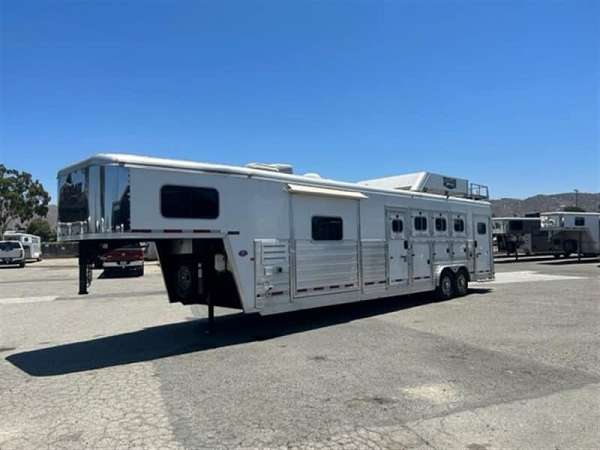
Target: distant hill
(540, 203)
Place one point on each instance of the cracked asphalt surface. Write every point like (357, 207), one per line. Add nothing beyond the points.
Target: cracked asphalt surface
(515, 364)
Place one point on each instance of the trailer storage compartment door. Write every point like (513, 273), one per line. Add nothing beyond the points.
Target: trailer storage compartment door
(272, 272)
(325, 244)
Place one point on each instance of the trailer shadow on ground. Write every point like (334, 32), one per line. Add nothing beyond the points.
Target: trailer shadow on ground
(523, 258)
(190, 336)
(565, 262)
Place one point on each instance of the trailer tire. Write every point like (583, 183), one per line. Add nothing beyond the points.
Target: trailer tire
(511, 248)
(140, 272)
(447, 286)
(21, 265)
(461, 283)
(569, 247)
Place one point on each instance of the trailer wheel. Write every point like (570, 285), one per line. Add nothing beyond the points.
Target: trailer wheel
(462, 283)
(446, 287)
(569, 247)
(511, 247)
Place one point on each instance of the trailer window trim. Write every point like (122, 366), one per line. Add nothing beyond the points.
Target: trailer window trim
(334, 233)
(194, 213)
(481, 228)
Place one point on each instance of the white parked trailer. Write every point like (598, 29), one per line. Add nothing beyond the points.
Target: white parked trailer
(264, 240)
(578, 232)
(31, 243)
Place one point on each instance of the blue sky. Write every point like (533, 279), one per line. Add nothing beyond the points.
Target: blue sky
(503, 93)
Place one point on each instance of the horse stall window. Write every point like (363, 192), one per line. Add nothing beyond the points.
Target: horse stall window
(327, 228)
(187, 202)
(459, 225)
(481, 228)
(420, 223)
(397, 226)
(440, 224)
(579, 221)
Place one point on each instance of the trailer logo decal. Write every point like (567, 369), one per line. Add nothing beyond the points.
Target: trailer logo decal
(450, 183)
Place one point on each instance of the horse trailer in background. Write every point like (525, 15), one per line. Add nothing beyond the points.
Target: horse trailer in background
(576, 232)
(264, 240)
(31, 244)
(522, 235)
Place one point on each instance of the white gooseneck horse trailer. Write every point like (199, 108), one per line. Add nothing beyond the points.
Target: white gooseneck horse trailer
(264, 240)
(573, 232)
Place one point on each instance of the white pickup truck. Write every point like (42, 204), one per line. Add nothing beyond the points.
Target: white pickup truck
(12, 252)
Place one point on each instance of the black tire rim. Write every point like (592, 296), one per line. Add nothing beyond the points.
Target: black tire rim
(446, 286)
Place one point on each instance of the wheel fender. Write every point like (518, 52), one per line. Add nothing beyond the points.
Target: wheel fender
(438, 273)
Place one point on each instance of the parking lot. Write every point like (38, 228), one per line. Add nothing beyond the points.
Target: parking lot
(515, 364)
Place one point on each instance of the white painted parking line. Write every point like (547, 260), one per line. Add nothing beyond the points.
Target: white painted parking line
(527, 276)
(19, 300)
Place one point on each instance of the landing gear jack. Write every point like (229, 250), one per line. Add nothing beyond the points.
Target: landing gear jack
(85, 270)
(211, 316)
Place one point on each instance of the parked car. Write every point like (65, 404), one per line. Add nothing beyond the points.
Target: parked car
(12, 252)
(124, 259)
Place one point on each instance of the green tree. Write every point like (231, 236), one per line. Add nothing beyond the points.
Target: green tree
(41, 227)
(21, 197)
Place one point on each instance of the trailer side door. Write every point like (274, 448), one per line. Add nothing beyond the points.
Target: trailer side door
(482, 244)
(398, 248)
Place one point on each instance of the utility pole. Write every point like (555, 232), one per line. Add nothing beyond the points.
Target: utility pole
(579, 231)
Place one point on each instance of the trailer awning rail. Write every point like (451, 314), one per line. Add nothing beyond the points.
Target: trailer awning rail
(312, 190)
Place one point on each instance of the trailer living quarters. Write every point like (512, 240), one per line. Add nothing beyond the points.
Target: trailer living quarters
(264, 240)
(574, 232)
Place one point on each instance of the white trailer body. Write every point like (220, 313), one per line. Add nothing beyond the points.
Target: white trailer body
(579, 232)
(31, 244)
(266, 241)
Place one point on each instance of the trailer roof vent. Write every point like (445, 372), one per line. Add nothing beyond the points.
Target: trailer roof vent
(271, 167)
(312, 175)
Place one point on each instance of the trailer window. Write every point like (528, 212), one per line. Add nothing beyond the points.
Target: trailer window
(459, 225)
(516, 225)
(481, 228)
(73, 197)
(420, 223)
(397, 226)
(327, 228)
(440, 224)
(579, 221)
(186, 202)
